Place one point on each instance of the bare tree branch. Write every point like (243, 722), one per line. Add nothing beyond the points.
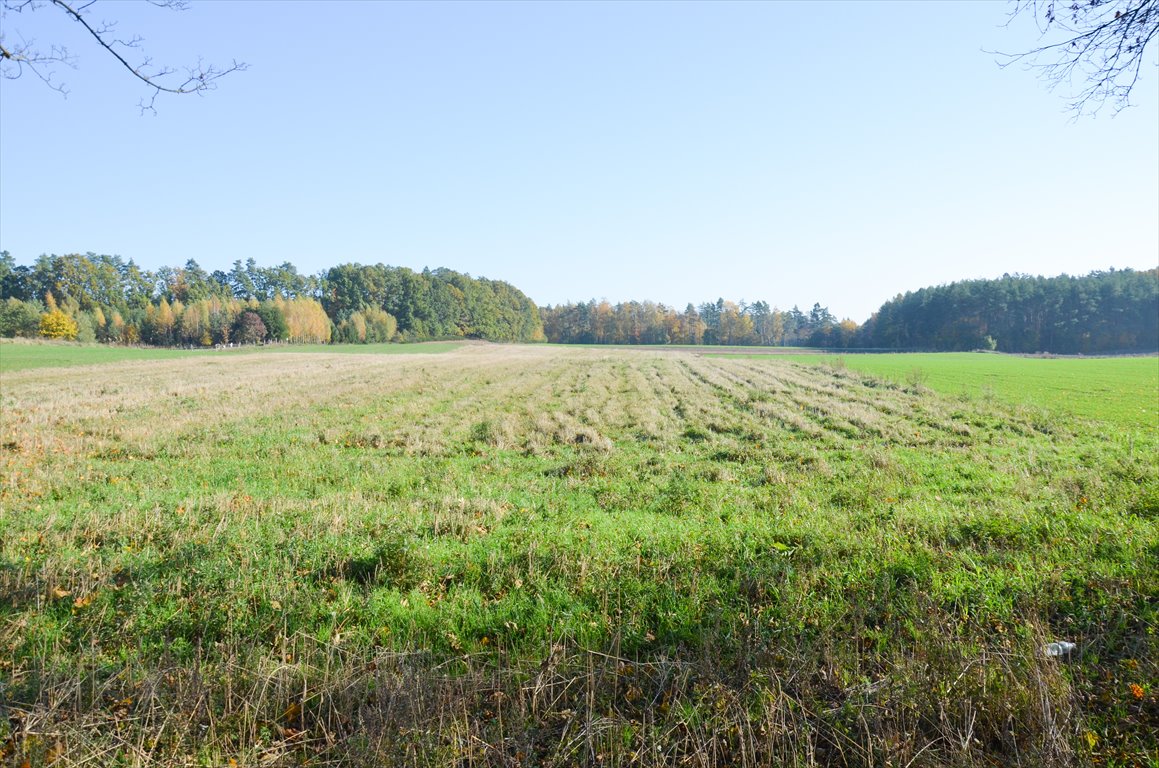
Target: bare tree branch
(1095, 49)
(25, 54)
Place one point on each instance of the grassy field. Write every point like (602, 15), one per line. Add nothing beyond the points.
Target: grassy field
(524, 556)
(1123, 390)
(20, 355)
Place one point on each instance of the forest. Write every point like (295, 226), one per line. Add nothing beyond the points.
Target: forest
(1116, 311)
(102, 298)
(721, 322)
(1103, 312)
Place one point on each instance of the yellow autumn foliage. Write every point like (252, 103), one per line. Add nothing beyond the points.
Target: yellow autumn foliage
(57, 325)
(306, 321)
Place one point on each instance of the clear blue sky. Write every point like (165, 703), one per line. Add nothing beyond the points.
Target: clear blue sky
(792, 152)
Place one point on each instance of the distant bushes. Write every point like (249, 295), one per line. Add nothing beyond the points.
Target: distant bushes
(57, 325)
(367, 326)
(231, 321)
(20, 318)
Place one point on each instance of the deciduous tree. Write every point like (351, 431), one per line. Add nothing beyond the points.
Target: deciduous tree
(23, 50)
(1095, 47)
(19, 318)
(249, 328)
(55, 324)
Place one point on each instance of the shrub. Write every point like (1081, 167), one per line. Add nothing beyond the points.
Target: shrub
(916, 380)
(249, 328)
(57, 325)
(380, 325)
(352, 330)
(85, 330)
(19, 318)
(275, 321)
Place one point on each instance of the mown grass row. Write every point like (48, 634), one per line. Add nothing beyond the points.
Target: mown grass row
(521, 556)
(1119, 390)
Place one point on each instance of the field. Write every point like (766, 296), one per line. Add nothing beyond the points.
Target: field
(1122, 390)
(20, 355)
(525, 556)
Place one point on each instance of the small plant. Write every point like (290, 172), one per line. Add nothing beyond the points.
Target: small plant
(483, 431)
(916, 380)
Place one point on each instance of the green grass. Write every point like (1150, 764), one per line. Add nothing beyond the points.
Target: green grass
(543, 556)
(20, 356)
(1122, 391)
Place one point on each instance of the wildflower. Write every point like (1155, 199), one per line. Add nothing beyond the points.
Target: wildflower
(1136, 690)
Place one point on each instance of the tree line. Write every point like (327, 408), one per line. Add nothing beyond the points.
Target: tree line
(93, 297)
(103, 298)
(720, 322)
(1102, 312)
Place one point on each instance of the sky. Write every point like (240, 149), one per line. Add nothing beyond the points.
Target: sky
(839, 153)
